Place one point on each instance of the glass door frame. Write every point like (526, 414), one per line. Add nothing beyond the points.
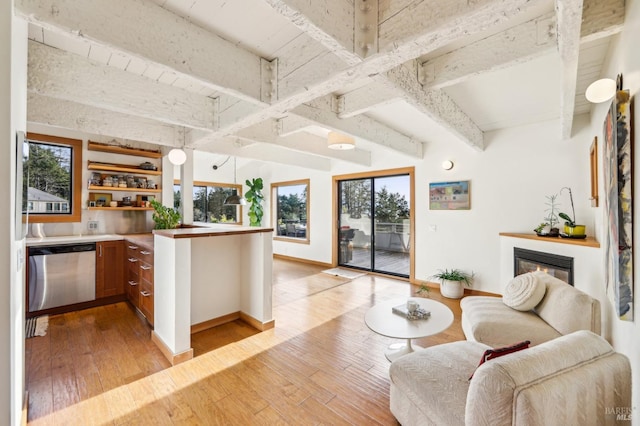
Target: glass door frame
(336, 203)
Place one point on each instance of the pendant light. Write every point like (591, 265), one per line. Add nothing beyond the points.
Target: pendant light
(177, 156)
(339, 141)
(234, 199)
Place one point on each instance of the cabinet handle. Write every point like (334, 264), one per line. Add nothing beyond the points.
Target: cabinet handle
(146, 268)
(99, 250)
(133, 260)
(133, 283)
(145, 293)
(133, 247)
(145, 252)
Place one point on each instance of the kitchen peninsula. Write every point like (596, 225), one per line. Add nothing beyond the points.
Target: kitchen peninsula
(206, 276)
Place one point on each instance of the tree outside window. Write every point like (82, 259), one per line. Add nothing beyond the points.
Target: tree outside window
(208, 202)
(51, 177)
(291, 209)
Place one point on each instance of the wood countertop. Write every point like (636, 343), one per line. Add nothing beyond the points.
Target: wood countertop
(144, 240)
(210, 231)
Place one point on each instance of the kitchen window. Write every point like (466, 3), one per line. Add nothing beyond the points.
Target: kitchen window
(208, 202)
(52, 176)
(291, 210)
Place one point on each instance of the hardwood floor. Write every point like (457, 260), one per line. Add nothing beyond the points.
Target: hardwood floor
(319, 365)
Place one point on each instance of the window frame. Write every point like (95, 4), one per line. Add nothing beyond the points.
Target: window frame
(76, 180)
(274, 211)
(236, 186)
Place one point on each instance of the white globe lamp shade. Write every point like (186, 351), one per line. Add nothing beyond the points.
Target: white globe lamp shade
(177, 156)
(601, 90)
(339, 141)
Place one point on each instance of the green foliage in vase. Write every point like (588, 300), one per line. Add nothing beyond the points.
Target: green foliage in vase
(569, 221)
(255, 197)
(454, 275)
(164, 217)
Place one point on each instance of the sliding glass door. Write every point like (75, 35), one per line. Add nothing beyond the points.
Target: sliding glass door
(374, 224)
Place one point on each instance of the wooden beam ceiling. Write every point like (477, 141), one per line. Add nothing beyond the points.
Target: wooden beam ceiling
(268, 100)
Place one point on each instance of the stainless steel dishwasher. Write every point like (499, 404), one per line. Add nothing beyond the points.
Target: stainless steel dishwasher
(61, 275)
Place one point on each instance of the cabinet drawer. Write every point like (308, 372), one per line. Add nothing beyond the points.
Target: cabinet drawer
(146, 301)
(145, 255)
(133, 264)
(132, 249)
(133, 288)
(146, 272)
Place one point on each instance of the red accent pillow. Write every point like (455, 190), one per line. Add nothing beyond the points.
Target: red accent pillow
(498, 352)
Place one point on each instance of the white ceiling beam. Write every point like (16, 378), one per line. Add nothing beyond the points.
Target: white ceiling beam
(521, 43)
(450, 24)
(569, 21)
(232, 145)
(71, 115)
(267, 132)
(319, 111)
(330, 23)
(148, 32)
(62, 75)
(365, 98)
(435, 23)
(435, 104)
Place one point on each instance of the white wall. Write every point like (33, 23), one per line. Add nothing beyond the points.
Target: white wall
(624, 58)
(13, 85)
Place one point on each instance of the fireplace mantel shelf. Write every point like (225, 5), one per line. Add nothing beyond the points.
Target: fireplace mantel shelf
(587, 242)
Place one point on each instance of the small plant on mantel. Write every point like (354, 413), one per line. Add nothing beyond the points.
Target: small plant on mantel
(164, 217)
(571, 229)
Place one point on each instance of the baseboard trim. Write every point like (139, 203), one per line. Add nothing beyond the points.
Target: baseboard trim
(301, 260)
(202, 326)
(248, 319)
(258, 325)
(467, 291)
(174, 359)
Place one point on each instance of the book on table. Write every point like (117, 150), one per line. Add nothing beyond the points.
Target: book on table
(403, 311)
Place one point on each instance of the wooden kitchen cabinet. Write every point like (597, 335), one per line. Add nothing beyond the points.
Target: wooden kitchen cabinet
(109, 269)
(139, 260)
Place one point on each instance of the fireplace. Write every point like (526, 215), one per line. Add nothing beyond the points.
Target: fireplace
(558, 266)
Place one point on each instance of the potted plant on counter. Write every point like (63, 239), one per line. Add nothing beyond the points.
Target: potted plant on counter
(453, 281)
(164, 217)
(571, 229)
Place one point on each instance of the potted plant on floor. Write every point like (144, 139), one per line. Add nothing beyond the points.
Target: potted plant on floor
(255, 197)
(453, 281)
(571, 229)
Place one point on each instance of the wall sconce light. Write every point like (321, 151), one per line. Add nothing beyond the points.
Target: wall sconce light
(340, 142)
(177, 156)
(447, 164)
(601, 90)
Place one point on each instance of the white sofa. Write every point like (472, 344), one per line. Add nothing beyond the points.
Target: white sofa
(563, 310)
(574, 379)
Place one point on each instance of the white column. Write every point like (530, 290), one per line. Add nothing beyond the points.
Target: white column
(13, 113)
(186, 187)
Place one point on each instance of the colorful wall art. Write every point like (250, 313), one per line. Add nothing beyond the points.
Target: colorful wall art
(449, 195)
(618, 242)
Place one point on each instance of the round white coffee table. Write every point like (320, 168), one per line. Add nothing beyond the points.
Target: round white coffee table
(382, 320)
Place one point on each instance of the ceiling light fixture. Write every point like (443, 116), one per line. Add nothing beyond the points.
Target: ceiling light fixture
(601, 90)
(447, 164)
(177, 156)
(340, 142)
(234, 199)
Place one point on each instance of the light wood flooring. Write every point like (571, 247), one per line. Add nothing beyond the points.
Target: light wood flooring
(319, 365)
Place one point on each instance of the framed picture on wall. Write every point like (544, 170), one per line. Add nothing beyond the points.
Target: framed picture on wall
(449, 195)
